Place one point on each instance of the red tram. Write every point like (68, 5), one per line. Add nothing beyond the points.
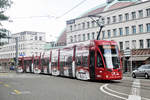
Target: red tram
(100, 60)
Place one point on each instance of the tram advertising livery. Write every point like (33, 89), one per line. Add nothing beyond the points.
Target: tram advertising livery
(99, 60)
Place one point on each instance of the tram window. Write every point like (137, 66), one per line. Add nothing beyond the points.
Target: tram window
(99, 60)
(78, 61)
(54, 64)
(85, 61)
(62, 63)
(92, 58)
(69, 61)
(20, 63)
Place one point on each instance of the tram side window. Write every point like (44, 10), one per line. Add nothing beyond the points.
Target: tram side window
(99, 60)
(62, 63)
(27, 62)
(85, 61)
(54, 64)
(92, 58)
(44, 62)
(78, 61)
(69, 61)
(20, 63)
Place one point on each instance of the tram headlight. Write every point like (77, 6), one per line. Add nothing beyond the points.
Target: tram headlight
(98, 75)
(106, 76)
(100, 71)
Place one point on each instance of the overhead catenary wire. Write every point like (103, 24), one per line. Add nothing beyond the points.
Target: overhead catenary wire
(72, 8)
(51, 16)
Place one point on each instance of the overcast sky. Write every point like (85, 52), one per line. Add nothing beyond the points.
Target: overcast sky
(26, 15)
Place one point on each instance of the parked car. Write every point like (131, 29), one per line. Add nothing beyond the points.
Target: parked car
(12, 67)
(142, 71)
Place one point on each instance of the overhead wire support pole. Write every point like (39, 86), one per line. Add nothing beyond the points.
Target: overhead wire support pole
(97, 22)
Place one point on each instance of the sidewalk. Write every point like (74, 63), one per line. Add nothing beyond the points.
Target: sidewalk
(127, 74)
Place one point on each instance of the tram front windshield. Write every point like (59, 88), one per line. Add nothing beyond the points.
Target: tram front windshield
(110, 55)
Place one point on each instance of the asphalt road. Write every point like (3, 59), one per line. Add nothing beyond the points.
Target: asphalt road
(45, 87)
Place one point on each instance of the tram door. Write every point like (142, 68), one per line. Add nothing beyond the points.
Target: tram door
(92, 64)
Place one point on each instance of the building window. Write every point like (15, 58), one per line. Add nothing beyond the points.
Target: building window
(133, 29)
(93, 35)
(75, 27)
(114, 19)
(148, 12)
(88, 25)
(140, 13)
(127, 16)
(83, 37)
(75, 38)
(93, 23)
(120, 18)
(35, 37)
(103, 34)
(88, 36)
(127, 44)
(148, 27)
(71, 39)
(103, 20)
(121, 45)
(141, 28)
(79, 37)
(70, 27)
(109, 34)
(83, 25)
(115, 32)
(127, 30)
(141, 44)
(133, 44)
(97, 21)
(79, 26)
(108, 20)
(133, 15)
(120, 31)
(148, 43)
(40, 38)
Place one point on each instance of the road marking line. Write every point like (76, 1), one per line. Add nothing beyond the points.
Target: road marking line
(17, 92)
(6, 85)
(102, 89)
(135, 91)
(117, 92)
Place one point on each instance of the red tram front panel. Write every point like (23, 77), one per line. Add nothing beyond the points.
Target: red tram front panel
(107, 60)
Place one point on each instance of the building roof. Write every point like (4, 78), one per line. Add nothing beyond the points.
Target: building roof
(120, 5)
(98, 10)
(62, 38)
(111, 6)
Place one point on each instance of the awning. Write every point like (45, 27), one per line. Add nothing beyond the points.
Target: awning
(137, 58)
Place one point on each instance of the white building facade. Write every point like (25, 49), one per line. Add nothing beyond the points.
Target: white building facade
(125, 21)
(29, 43)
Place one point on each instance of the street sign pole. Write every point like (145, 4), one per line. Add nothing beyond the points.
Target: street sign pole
(16, 38)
